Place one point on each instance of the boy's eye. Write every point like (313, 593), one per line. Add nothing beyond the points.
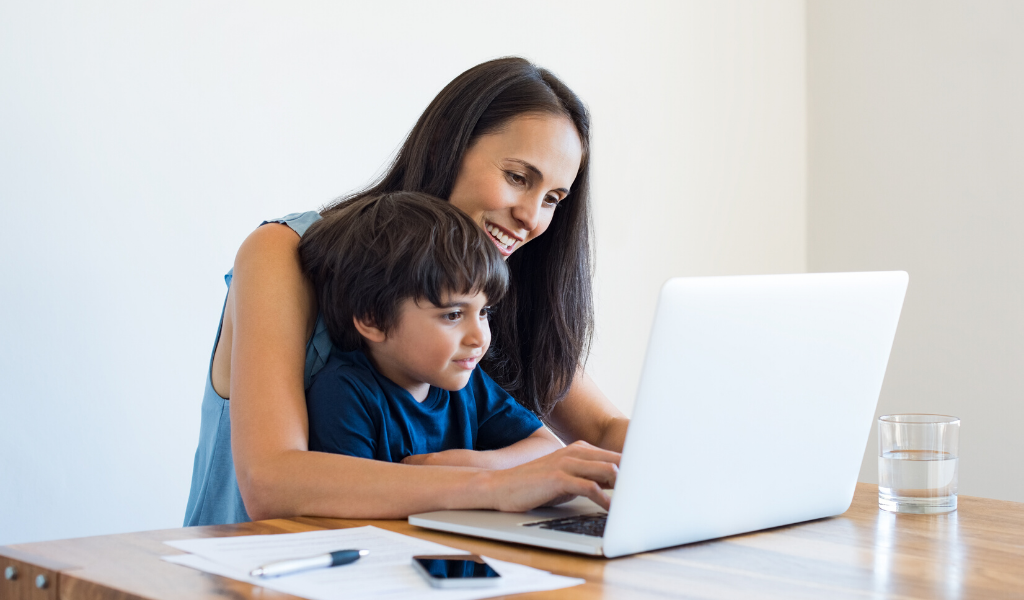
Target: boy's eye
(485, 312)
(452, 316)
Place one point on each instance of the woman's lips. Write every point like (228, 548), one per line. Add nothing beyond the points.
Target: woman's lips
(502, 240)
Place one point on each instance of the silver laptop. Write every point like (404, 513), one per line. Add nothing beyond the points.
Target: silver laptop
(755, 403)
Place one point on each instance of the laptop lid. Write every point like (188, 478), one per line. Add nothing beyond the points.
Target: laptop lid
(755, 403)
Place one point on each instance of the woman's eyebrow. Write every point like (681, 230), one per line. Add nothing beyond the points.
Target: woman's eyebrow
(536, 172)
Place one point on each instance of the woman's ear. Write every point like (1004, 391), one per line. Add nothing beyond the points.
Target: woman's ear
(368, 330)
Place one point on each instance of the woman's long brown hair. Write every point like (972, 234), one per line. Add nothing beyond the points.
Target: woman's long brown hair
(543, 327)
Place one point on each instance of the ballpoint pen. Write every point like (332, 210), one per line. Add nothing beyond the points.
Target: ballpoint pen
(321, 561)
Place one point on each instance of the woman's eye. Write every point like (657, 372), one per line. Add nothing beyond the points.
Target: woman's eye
(516, 178)
(551, 201)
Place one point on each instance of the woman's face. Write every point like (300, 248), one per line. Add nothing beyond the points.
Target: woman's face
(511, 181)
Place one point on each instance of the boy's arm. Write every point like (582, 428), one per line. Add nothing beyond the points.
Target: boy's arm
(534, 446)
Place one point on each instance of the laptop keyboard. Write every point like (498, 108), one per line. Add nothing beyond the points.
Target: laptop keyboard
(592, 525)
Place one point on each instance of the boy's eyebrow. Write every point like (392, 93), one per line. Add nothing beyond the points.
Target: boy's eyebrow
(536, 172)
(453, 305)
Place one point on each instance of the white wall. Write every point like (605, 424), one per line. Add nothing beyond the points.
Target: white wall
(700, 164)
(916, 146)
(141, 142)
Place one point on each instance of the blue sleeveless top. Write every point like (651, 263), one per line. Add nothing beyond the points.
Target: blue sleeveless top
(214, 498)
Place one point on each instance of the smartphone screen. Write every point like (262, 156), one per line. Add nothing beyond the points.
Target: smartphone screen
(455, 570)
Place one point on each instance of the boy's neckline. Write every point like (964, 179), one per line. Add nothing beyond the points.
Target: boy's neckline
(424, 386)
(431, 401)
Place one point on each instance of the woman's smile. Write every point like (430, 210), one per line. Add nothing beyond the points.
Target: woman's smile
(502, 238)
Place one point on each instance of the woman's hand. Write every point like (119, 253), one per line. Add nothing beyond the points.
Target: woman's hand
(579, 469)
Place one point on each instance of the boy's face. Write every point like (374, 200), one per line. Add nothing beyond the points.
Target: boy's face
(434, 345)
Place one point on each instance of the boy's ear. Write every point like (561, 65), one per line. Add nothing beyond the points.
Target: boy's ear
(368, 330)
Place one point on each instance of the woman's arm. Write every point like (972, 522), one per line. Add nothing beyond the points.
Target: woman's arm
(587, 414)
(534, 446)
(270, 313)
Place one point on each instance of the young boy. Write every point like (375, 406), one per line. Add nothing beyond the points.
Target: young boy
(404, 283)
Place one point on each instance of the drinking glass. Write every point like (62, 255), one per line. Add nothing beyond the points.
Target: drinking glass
(917, 463)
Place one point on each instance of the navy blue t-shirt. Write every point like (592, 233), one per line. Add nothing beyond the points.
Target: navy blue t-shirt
(355, 410)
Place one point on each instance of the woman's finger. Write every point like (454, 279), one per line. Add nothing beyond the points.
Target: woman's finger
(602, 473)
(586, 451)
(590, 489)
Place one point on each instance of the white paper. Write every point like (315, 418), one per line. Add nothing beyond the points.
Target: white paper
(386, 573)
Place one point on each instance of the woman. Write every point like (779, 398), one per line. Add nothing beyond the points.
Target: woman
(507, 143)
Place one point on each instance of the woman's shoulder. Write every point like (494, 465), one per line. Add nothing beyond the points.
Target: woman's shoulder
(298, 222)
(271, 242)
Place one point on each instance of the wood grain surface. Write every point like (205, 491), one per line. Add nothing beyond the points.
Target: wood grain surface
(974, 552)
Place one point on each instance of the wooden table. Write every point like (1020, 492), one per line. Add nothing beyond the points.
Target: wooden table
(975, 552)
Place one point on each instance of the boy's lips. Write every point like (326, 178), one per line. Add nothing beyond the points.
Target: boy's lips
(467, 363)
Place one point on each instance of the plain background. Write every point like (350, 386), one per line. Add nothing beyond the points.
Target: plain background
(140, 144)
(916, 147)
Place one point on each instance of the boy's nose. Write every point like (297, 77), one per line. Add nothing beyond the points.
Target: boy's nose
(478, 334)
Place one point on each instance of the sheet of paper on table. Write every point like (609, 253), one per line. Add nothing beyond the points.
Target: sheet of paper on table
(386, 573)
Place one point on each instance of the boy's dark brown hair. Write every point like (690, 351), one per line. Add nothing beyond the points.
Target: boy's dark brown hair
(370, 254)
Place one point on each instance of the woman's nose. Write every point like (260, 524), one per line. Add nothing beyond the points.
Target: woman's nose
(527, 212)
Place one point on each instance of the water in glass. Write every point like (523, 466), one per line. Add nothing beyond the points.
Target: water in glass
(917, 481)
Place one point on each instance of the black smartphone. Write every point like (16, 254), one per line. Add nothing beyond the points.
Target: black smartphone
(456, 570)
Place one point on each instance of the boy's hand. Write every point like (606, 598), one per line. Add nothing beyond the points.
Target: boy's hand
(536, 445)
(446, 458)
